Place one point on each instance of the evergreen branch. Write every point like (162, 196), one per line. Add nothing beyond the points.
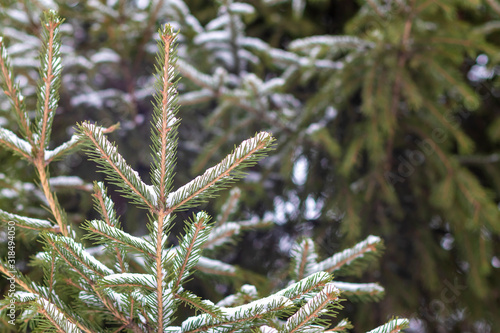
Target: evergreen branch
(196, 97)
(19, 146)
(13, 91)
(104, 233)
(164, 304)
(197, 77)
(235, 97)
(352, 260)
(50, 72)
(255, 223)
(86, 266)
(164, 132)
(285, 59)
(194, 301)
(162, 309)
(361, 291)
(129, 280)
(50, 273)
(48, 98)
(229, 206)
(189, 250)
(74, 254)
(394, 326)
(246, 294)
(304, 259)
(56, 317)
(39, 294)
(312, 309)
(102, 151)
(104, 205)
(215, 267)
(230, 316)
(26, 222)
(106, 208)
(343, 326)
(56, 209)
(305, 286)
(221, 235)
(203, 186)
(329, 42)
(65, 148)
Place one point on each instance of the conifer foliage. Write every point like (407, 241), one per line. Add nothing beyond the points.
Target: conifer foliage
(111, 294)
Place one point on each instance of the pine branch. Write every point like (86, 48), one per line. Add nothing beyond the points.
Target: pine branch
(74, 254)
(303, 287)
(189, 250)
(361, 291)
(215, 267)
(164, 133)
(105, 207)
(55, 208)
(26, 222)
(353, 260)
(62, 150)
(41, 297)
(229, 206)
(50, 72)
(304, 259)
(89, 268)
(103, 233)
(343, 326)
(194, 301)
(201, 187)
(246, 294)
(394, 326)
(312, 309)
(58, 320)
(102, 151)
(13, 91)
(19, 146)
(244, 313)
(128, 280)
(221, 235)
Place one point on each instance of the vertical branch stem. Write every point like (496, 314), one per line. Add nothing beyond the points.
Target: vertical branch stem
(54, 206)
(159, 269)
(51, 26)
(167, 39)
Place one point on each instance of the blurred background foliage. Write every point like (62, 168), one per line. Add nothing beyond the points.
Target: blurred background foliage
(386, 114)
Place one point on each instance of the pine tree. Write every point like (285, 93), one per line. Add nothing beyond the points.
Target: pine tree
(353, 92)
(137, 284)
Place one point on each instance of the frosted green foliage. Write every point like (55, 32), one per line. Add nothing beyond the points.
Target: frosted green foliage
(25, 222)
(394, 325)
(139, 283)
(9, 140)
(50, 73)
(352, 261)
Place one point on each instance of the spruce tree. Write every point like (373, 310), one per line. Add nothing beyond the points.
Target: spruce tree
(390, 107)
(137, 283)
